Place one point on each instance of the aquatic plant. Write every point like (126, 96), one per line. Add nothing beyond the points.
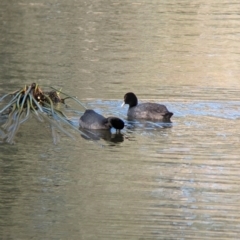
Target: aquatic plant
(31, 100)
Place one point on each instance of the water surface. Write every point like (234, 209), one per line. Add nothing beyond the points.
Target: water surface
(154, 181)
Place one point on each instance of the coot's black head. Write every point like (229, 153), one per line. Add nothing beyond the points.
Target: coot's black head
(116, 123)
(131, 99)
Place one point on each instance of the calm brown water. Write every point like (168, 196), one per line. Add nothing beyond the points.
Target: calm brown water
(153, 181)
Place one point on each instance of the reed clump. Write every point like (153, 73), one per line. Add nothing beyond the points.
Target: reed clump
(31, 100)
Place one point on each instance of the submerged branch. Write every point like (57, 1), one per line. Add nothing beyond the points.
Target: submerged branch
(31, 100)
(71, 97)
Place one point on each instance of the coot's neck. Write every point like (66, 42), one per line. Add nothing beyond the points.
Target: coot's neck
(133, 102)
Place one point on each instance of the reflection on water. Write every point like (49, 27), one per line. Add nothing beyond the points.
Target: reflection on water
(152, 181)
(107, 135)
